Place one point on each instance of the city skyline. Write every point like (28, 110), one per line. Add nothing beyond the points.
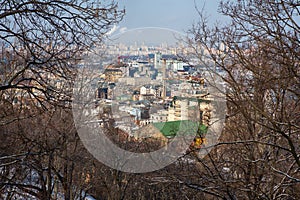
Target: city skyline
(151, 36)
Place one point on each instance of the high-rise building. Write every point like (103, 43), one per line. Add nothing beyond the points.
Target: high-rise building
(157, 58)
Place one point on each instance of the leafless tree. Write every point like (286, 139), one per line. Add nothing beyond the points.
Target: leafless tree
(41, 41)
(257, 56)
(44, 159)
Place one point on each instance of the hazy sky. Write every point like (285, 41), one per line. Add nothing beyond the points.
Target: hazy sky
(177, 15)
(174, 14)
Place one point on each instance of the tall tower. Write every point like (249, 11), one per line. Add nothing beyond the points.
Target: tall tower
(164, 65)
(157, 57)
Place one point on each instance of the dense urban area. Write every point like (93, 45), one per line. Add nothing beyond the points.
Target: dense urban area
(152, 89)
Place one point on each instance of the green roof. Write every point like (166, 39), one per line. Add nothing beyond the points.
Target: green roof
(186, 127)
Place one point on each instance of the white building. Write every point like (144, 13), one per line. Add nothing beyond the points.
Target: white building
(159, 116)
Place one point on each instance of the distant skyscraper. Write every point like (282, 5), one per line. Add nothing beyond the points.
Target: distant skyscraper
(157, 57)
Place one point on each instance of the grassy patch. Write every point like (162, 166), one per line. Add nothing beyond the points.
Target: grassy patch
(185, 127)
